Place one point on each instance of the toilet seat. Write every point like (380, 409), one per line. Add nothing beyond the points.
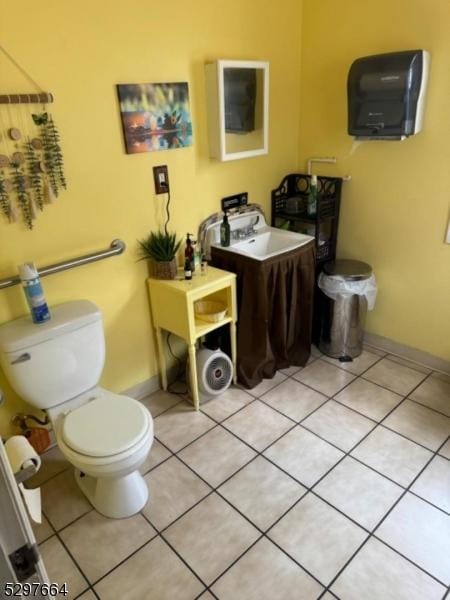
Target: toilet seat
(106, 426)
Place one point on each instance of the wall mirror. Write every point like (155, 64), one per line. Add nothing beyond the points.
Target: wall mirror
(237, 94)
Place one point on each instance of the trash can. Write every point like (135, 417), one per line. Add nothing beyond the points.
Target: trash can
(347, 288)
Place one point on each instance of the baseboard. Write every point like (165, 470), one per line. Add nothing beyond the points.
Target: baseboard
(143, 389)
(403, 351)
(149, 386)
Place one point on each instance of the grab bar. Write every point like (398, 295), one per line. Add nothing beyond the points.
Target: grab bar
(116, 247)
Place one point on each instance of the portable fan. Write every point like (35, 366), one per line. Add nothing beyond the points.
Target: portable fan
(214, 372)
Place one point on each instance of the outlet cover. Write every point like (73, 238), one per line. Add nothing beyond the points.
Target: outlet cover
(161, 179)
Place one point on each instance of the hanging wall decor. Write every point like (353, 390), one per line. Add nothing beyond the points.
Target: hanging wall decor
(155, 116)
(31, 160)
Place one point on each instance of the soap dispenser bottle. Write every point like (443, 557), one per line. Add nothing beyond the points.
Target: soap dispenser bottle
(225, 231)
(311, 202)
(189, 252)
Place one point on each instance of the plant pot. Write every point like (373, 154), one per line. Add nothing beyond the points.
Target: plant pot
(164, 269)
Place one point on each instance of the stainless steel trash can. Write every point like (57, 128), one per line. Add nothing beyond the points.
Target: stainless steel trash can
(342, 318)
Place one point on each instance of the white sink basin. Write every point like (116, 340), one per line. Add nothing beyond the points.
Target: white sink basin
(268, 242)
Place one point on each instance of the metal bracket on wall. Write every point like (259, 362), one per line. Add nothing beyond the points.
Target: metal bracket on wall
(325, 159)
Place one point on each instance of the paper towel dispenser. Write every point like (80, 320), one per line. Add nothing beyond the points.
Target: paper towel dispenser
(386, 95)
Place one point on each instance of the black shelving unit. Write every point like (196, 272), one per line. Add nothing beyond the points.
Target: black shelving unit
(289, 211)
(289, 201)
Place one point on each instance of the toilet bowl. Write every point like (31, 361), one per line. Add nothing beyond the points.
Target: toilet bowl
(56, 367)
(107, 439)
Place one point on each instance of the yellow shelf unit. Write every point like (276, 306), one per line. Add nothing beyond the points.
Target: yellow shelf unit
(172, 307)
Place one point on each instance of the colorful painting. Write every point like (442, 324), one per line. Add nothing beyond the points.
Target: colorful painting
(155, 116)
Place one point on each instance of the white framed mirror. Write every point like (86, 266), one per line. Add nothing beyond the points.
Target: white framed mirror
(237, 98)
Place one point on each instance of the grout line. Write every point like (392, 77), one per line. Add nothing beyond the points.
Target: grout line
(426, 406)
(405, 436)
(260, 453)
(372, 534)
(42, 483)
(70, 522)
(183, 561)
(73, 559)
(401, 398)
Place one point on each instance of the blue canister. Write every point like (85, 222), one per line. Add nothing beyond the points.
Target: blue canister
(34, 293)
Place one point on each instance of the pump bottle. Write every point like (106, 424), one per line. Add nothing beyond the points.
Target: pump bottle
(225, 231)
(311, 202)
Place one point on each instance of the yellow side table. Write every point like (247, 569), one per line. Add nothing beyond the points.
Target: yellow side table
(172, 305)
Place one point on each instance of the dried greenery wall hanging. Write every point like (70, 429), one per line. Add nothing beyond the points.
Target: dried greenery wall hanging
(31, 158)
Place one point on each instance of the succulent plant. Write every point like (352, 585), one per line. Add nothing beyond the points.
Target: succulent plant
(159, 246)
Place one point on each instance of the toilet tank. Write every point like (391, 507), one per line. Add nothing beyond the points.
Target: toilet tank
(50, 363)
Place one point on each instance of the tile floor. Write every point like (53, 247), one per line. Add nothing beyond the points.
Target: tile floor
(330, 481)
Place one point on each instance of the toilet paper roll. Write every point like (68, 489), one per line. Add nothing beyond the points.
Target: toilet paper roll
(21, 454)
(32, 501)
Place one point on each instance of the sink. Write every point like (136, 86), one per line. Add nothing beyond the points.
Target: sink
(268, 242)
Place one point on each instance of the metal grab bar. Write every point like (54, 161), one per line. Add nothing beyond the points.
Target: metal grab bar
(116, 247)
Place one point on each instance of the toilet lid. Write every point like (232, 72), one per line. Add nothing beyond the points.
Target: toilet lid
(105, 426)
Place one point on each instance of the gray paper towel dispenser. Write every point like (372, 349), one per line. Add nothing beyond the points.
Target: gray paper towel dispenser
(386, 95)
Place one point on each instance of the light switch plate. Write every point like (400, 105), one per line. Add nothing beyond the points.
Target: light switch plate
(447, 237)
(161, 179)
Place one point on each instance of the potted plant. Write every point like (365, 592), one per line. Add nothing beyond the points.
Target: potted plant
(161, 248)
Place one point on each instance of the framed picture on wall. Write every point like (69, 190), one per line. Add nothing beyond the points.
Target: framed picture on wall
(155, 116)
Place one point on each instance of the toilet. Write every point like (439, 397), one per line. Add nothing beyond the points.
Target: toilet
(56, 366)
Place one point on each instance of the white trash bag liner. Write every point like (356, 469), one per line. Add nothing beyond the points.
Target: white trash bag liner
(334, 285)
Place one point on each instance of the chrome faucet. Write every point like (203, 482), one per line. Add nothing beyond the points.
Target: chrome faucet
(242, 233)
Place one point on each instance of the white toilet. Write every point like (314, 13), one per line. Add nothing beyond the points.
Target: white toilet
(55, 366)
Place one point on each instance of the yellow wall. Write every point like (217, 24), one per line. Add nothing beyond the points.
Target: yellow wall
(395, 209)
(79, 51)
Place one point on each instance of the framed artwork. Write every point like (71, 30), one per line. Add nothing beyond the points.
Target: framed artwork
(155, 116)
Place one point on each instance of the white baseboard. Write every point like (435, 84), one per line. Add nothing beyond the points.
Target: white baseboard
(403, 351)
(149, 386)
(143, 389)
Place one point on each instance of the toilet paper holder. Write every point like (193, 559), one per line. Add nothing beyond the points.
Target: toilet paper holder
(25, 474)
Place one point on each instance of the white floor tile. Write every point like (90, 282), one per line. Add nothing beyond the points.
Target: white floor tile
(173, 489)
(258, 425)
(434, 393)
(267, 384)
(323, 377)
(266, 573)
(339, 425)
(445, 450)
(294, 399)
(180, 425)
(421, 533)
(394, 376)
(303, 455)
(392, 455)
(358, 365)
(216, 455)
(379, 573)
(358, 492)
(153, 572)
(369, 399)
(420, 424)
(226, 404)
(211, 536)
(434, 483)
(262, 492)
(318, 537)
